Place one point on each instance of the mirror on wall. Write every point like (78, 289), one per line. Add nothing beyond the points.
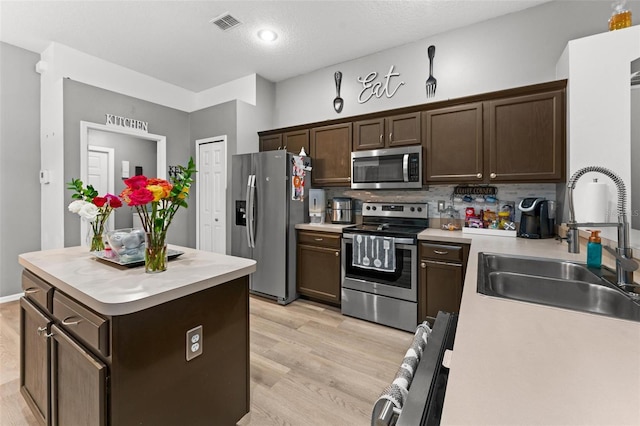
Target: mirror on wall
(108, 154)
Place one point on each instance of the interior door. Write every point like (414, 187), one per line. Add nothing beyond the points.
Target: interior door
(212, 179)
(101, 175)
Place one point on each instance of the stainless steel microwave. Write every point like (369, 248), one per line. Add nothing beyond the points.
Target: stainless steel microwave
(392, 168)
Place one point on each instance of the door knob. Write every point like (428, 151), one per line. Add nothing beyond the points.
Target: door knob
(216, 219)
(337, 253)
(479, 175)
(423, 265)
(493, 175)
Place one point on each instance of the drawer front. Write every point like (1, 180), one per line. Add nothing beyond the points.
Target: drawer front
(448, 252)
(82, 323)
(37, 290)
(321, 239)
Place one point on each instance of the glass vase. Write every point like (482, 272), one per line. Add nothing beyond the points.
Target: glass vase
(95, 240)
(155, 252)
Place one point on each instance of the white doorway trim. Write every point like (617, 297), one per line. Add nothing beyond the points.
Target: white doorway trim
(161, 154)
(216, 139)
(111, 167)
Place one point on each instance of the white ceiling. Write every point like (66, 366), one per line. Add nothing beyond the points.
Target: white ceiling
(174, 41)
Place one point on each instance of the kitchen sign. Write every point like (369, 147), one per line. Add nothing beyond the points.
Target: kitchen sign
(371, 88)
(129, 123)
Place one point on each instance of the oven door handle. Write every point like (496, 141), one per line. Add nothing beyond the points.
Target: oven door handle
(399, 241)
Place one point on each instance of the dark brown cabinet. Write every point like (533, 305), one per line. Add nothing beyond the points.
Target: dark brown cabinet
(331, 155)
(35, 359)
(78, 383)
(270, 142)
(79, 367)
(318, 268)
(442, 270)
(513, 139)
(398, 130)
(292, 141)
(453, 141)
(526, 138)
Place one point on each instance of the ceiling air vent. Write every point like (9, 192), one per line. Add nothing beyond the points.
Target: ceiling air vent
(635, 78)
(225, 21)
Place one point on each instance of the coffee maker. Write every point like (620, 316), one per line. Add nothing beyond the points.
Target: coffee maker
(537, 219)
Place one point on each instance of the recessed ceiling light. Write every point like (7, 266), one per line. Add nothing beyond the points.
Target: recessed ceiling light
(267, 35)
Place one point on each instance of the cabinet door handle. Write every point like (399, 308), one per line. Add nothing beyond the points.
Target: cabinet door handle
(41, 330)
(493, 175)
(479, 175)
(337, 253)
(319, 239)
(381, 136)
(423, 265)
(67, 321)
(31, 290)
(390, 137)
(440, 252)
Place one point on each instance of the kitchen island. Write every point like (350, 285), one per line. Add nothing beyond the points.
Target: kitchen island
(104, 344)
(522, 363)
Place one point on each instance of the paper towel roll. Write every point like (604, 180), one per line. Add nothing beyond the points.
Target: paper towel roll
(594, 202)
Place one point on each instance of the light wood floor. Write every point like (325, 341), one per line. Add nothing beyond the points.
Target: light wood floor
(310, 365)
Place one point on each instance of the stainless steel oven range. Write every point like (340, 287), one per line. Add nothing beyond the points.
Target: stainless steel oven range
(380, 264)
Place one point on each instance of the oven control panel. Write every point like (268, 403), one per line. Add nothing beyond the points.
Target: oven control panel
(400, 210)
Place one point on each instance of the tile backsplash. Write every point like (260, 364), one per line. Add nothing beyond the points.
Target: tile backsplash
(435, 193)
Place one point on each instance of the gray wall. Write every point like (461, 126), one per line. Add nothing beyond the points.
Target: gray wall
(87, 103)
(514, 50)
(138, 151)
(19, 162)
(217, 120)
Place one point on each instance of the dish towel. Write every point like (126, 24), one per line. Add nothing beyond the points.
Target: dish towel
(374, 252)
(398, 390)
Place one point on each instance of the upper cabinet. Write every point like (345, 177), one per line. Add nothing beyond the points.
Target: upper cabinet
(515, 139)
(453, 142)
(526, 138)
(392, 131)
(271, 142)
(292, 141)
(510, 136)
(331, 155)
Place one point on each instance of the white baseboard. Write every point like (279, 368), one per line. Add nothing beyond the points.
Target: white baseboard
(10, 298)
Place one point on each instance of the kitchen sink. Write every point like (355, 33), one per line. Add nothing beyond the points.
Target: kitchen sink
(563, 284)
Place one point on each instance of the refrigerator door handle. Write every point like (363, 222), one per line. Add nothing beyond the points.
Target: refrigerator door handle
(252, 209)
(249, 210)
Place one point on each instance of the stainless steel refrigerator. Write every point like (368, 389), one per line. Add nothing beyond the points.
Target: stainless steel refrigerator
(265, 216)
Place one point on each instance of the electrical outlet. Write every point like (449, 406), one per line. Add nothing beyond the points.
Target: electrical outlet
(194, 342)
(440, 205)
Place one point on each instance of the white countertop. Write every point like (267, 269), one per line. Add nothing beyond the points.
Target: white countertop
(115, 290)
(521, 363)
(323, 227)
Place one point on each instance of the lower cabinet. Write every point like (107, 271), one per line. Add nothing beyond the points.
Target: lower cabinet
(78, 367)
(442, 270)
(78, 383)
(318, 268)
(35, 359)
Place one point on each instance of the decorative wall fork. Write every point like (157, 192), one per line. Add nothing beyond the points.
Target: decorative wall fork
(431, 82)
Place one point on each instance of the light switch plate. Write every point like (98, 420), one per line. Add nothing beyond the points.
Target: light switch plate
(440, 205)
(194, 342)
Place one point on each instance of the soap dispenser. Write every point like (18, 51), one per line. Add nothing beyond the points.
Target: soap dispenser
(594, 250)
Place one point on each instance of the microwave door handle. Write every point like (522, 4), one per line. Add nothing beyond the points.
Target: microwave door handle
(405, 167)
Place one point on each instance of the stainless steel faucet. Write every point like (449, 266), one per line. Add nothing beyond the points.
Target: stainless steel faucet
(625, 265)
